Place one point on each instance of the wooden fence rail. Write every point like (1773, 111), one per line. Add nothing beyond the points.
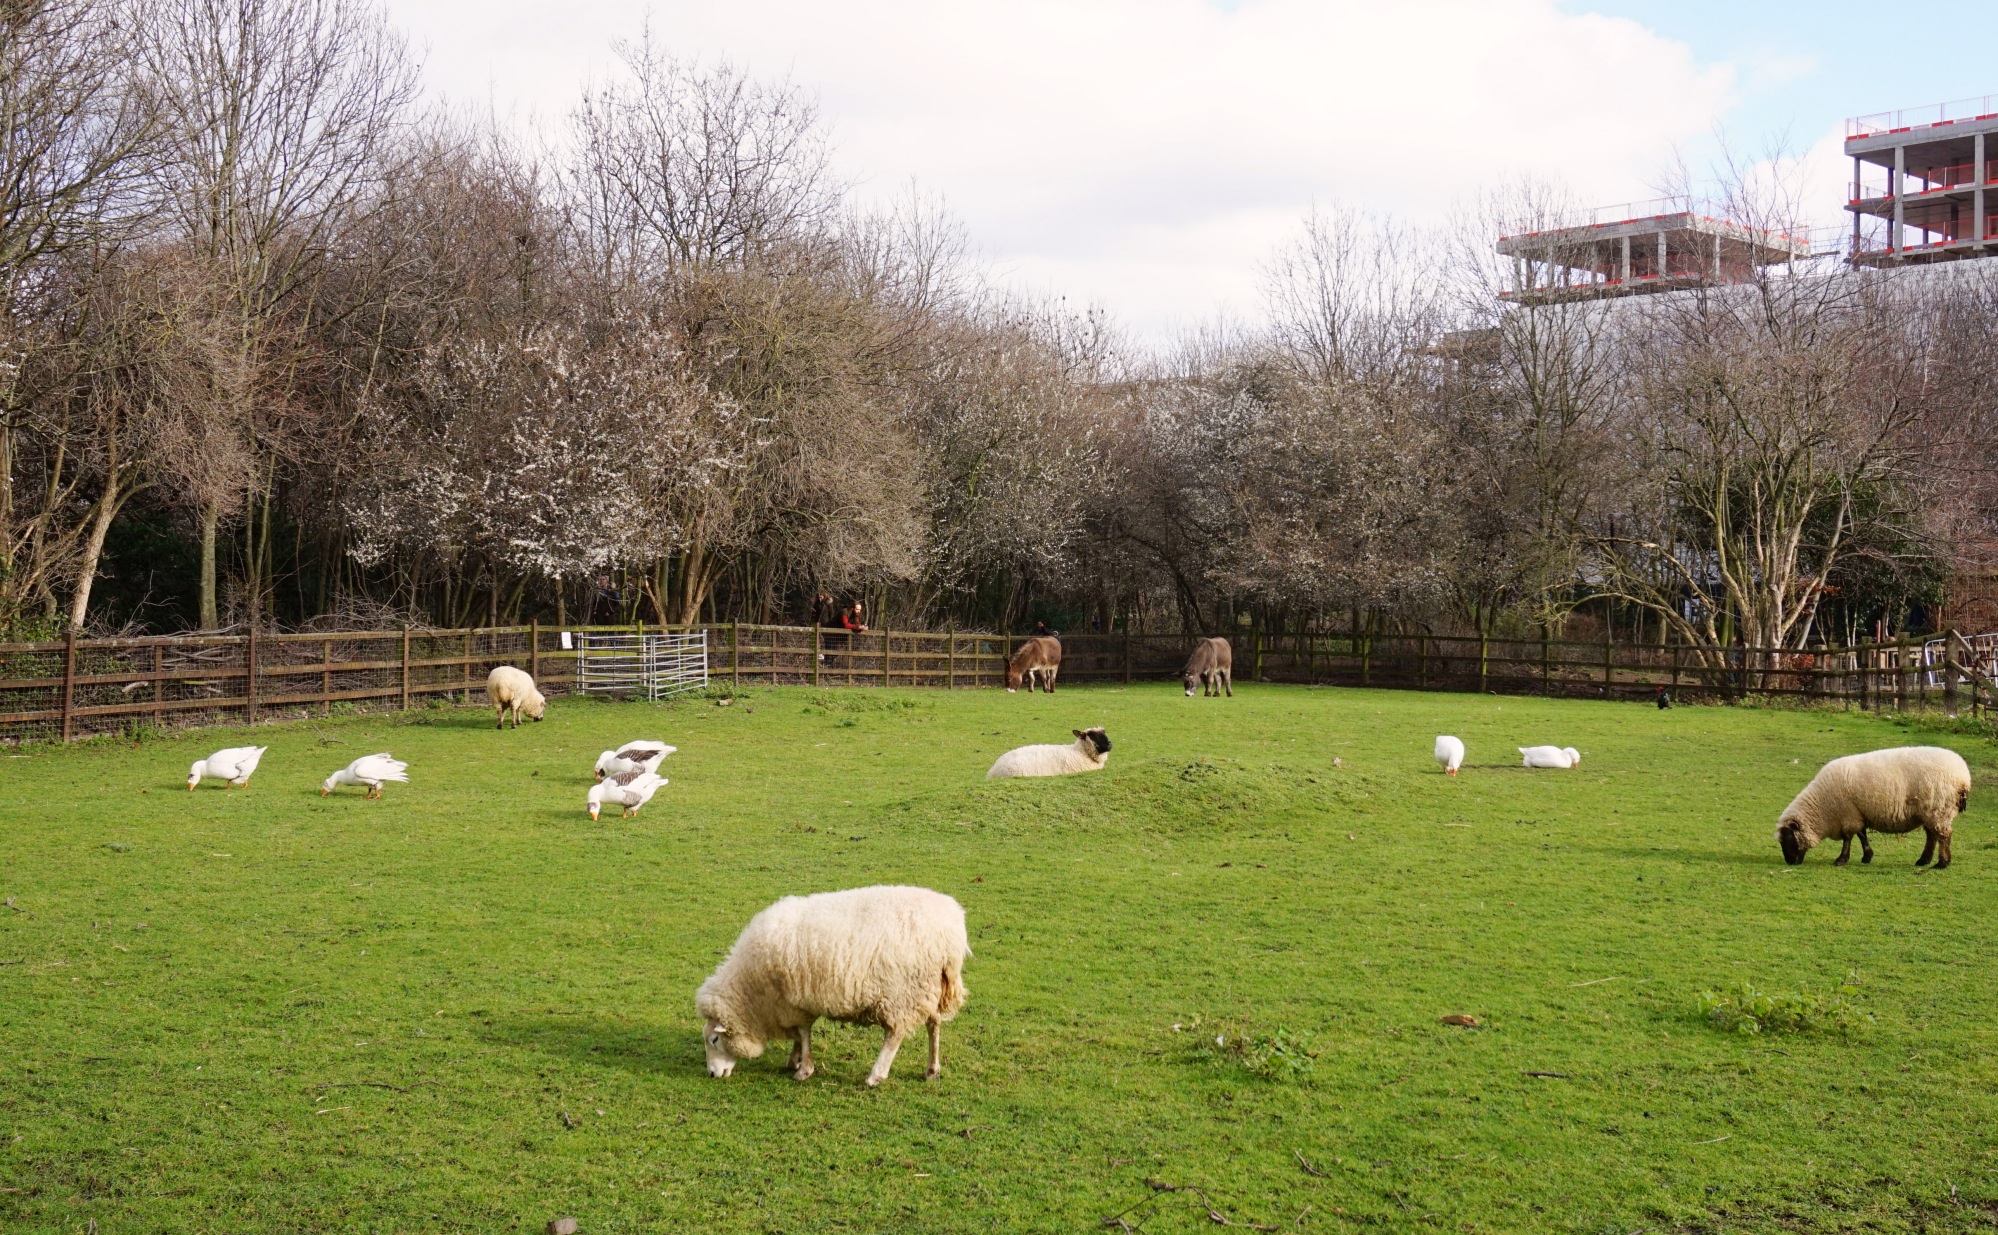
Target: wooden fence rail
(83, 687)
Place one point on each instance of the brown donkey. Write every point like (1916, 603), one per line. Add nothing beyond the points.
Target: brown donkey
(1211, 667)
(1038, 660)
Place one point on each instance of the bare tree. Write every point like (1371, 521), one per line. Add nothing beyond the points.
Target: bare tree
(282, 120)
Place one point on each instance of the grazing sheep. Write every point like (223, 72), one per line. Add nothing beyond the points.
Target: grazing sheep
(1450, 753)
(1211, 667)
(1089, 751)
(887, 956)
(1550, 756)
(510, 690)
(1038, 660)
(1894, 790)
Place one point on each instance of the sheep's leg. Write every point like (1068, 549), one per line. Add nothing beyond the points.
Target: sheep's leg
(890, 1043)
(1928, 849)
(801, 1055)
(1844, 853)
(1942, 847)
(936, 1050)
(1865, 846)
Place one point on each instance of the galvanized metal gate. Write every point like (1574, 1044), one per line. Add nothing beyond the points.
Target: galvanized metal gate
(644, 666)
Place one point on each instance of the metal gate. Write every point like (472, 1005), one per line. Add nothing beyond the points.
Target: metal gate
(643, 666)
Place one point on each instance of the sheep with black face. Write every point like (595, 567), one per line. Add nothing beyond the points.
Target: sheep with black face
(1895, 790)
(1089, 752)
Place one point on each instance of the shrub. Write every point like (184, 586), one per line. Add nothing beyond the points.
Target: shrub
(1746, 1010)
(1284, 1055)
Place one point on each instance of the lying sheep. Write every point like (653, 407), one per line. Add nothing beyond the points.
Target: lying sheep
(510, 690)
(887, 956)
(1089, 751)
(1895, 790)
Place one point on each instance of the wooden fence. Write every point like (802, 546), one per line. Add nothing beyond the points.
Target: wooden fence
(58, 691)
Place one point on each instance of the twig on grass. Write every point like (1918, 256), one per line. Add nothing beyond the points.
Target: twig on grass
(966, 1132)
(1717, 1140)
(1160, 1188)
(374, 1085)
(1308, 1168)
(1557, 1076)
(1595, 982)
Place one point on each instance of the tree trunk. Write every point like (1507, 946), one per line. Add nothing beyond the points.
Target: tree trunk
(93, 550)
(210, 517)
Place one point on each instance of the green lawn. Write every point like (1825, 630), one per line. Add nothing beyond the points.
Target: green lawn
(466, 1007)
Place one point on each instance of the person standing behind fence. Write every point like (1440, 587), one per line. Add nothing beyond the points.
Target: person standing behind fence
(825, 615)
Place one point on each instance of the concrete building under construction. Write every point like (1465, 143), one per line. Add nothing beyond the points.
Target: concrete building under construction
(1919, 183)
(1666, 244)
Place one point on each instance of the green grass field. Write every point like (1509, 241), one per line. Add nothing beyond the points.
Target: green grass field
(467, 1008)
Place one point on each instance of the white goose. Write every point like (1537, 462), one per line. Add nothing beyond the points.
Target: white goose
(643, 756)
(1550, 756)
(232, 765)
(630, 790)
(369, 770)
(1450, 753)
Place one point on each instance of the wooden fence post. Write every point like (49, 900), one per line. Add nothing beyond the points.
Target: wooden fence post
(250, 675)
(1546, 680)
(885, 639)
(1949, 674)
(159, 684)
(405, 669)
(735, 654)
(1422, 662)
(534, 649)
(951, 658)
(1366, 649)
(1609, 664)
(68, 679)
(465, 695)
(326, 678)
(1901, 676)
(818, 650)
(1483, 649)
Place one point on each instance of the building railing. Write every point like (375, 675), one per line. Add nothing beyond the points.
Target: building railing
(75, 688)
(1982, 108)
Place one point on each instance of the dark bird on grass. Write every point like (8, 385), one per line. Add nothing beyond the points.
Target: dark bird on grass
(1664, 698)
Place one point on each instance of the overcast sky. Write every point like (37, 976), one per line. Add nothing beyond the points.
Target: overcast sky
(1148, 155)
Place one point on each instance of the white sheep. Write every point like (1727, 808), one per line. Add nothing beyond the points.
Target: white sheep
(1894, 790)
(887, 956)
(1450, 753)
(511, 690)
(1549, 756)
(1089, 751)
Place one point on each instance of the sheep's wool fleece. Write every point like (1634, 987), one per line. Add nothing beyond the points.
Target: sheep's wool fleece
(1048, 760)
(508, 685)
(890, 956)
(1894, 790)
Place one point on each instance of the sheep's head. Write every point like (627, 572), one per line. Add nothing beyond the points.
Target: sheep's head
(1096, 740)
(725, 1046)
(536, 706)
(1795, 840)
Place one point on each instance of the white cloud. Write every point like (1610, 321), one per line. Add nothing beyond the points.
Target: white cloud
(1149, 154)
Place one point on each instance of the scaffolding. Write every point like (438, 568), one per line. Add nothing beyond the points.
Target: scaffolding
(643, 666)
(1635, 248)
(1920, 178)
